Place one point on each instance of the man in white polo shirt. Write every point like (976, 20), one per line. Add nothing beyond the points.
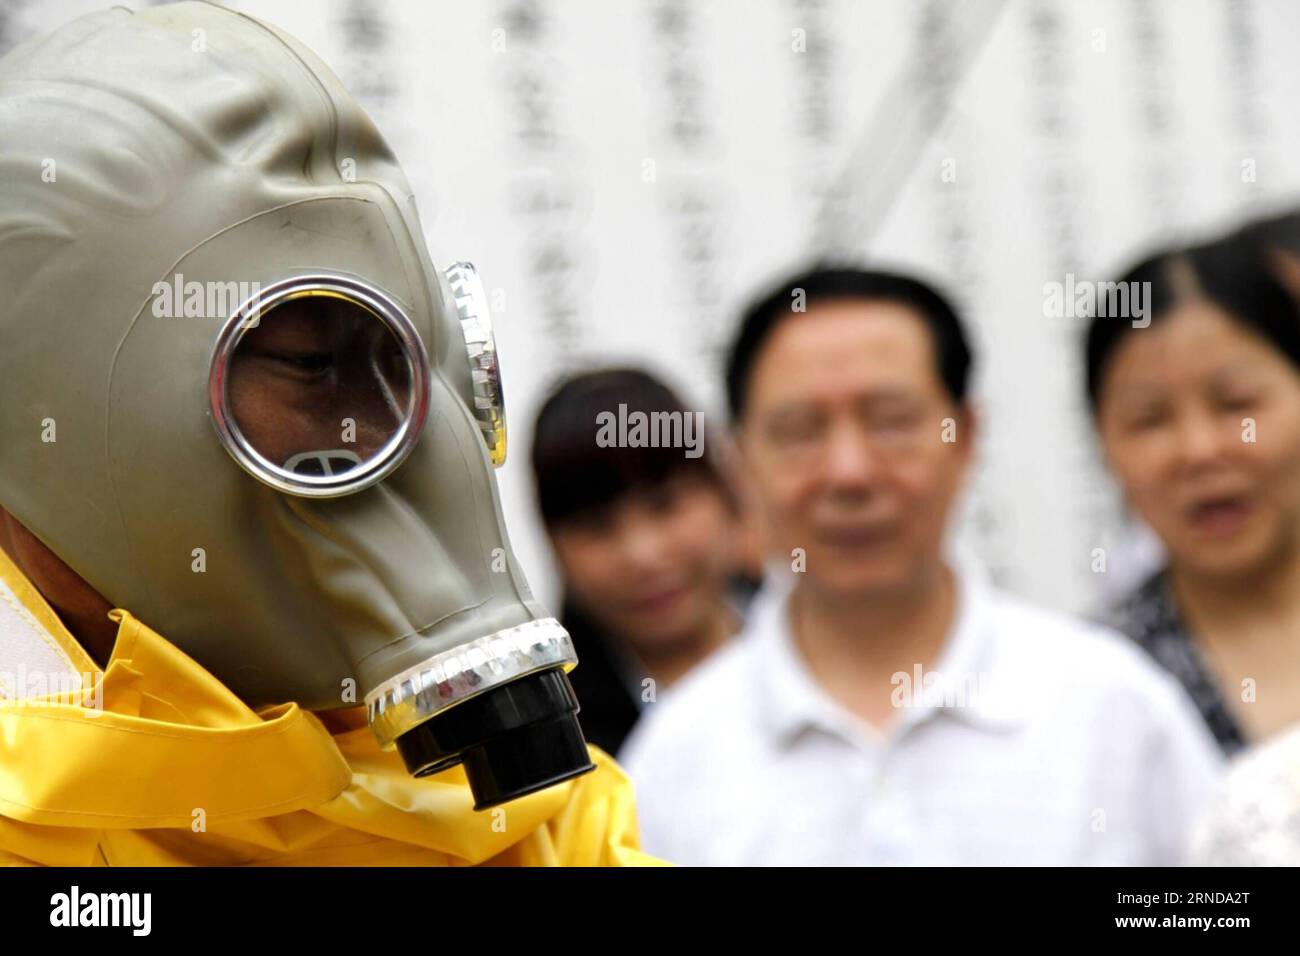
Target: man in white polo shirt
(881, 707)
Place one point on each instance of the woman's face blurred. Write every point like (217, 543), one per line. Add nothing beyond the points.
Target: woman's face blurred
(651, 567)
(1200, 421)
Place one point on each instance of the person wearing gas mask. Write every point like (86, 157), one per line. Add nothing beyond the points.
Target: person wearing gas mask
(247, 434)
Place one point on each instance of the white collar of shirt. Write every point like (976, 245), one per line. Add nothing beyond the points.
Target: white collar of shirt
(969, 682)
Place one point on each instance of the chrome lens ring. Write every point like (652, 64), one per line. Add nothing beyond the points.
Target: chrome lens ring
(247, 317)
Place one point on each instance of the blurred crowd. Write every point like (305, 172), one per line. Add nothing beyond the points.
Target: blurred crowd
(778, 645)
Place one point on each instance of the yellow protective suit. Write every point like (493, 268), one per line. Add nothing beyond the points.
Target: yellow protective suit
(173, 769)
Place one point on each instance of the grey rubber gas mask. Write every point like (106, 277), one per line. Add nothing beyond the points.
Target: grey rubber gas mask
(274, 421)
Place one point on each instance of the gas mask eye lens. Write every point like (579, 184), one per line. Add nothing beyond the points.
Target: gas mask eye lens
(313, 387)
(319, 387)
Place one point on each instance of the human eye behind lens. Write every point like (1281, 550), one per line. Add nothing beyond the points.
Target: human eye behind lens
(302, 366)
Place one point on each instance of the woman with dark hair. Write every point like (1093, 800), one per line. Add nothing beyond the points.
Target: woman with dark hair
(647, 537)
(1199, 419)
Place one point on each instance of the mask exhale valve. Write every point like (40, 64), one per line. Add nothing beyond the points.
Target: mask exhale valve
(513, 739)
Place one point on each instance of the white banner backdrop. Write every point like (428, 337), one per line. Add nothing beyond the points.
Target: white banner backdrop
(625, 173)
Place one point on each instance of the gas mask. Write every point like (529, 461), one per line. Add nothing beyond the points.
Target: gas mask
(237, 398)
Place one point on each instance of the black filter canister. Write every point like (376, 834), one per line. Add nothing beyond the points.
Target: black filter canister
(513, 740)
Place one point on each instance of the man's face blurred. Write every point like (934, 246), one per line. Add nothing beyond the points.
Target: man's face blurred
(843, 434)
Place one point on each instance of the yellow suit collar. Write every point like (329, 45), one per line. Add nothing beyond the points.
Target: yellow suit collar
(158, 762)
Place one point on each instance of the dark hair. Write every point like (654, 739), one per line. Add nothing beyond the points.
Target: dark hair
(1280, 231)
(820, 283)
(1233, 273)
(573, 474)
